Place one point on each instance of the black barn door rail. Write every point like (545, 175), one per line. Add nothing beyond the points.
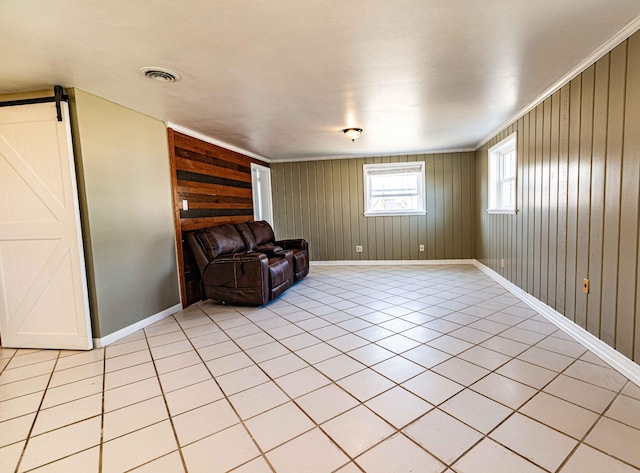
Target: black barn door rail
(59, 96)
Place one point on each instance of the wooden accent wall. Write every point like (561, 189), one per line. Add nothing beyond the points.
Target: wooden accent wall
(216, 182)
(579, 201)
(323, 202)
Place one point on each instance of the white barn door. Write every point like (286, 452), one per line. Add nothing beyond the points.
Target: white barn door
(43, 289)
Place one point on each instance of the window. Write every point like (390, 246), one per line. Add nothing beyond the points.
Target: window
(394, 189)
(502, 176)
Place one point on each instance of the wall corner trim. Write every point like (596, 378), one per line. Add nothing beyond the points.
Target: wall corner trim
(617, 360)
(213, 141)
(115, 336)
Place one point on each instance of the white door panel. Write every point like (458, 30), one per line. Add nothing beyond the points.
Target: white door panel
(43, 292)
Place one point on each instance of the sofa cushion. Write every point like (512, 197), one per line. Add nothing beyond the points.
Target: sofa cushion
(262, 232)
(279, 271)
(221, 240)
(247, 236)
(300, 260)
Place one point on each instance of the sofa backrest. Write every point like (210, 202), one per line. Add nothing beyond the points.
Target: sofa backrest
(247, 236)
(262, 232)
(221, 240)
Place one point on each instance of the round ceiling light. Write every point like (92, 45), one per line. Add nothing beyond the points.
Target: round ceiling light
(160, 74)
(352, 133)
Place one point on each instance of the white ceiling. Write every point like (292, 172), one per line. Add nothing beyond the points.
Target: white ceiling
(282, 78)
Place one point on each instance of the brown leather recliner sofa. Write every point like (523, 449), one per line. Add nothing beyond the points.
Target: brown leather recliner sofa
(243, 264)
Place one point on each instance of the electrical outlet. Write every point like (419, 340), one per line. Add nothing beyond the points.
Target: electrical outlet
(421, 247)
(358, 248)
(502, 262)
(585, 286)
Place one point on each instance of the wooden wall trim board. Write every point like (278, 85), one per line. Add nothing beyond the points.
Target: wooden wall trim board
(130, 329)
(216, 182)
(578, 200)
(398, 262)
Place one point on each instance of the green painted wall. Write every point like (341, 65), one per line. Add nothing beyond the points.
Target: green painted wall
(122, 158)
(323, 202)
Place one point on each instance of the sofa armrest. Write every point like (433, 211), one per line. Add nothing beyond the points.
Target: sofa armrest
(293, 244)
(198, 252)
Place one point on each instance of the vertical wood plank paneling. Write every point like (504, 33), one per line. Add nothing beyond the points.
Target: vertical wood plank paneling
(632, 154)
(456, 176)
(572, 202)
(430, 176)
(422, 221)
(330, 207)
(524, 252)
(563, 196)
(630, 191)
(518, 260)
(600, 107)
(288, 185)
(537, 199)
(579, 200)
(322, 217)
(553, 200)
(439, 207)
(339, 205)
(357, 207)
(313, 238)
(323, 202)
(544, 206)
(346, 185)
(448, 205)
(467, 222)
(584, 191)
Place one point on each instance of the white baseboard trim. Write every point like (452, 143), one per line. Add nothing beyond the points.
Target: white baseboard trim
(395, 262)
(115, 336)
(617, 360)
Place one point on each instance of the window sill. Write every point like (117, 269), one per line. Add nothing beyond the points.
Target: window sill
(502, 211)
(394, 214)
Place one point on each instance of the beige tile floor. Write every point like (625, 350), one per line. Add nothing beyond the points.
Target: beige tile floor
(376, 369)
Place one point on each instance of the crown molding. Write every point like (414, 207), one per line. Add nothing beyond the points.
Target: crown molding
(213, 141)
(354, 156)
(618, 38)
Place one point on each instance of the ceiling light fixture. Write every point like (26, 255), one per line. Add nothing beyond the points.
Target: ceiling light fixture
(352, 133)
(160, 74)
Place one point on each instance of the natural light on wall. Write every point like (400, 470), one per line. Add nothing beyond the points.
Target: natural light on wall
(502, 176)
(394, 189)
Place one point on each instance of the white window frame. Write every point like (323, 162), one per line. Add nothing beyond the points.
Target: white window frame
(497, 155)
(393, 168)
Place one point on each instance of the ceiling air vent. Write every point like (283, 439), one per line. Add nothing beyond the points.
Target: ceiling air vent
(160, 74)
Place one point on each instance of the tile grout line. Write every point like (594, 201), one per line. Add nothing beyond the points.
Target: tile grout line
(241, 421)
(44, 393)
(166, 405)
(292, 400)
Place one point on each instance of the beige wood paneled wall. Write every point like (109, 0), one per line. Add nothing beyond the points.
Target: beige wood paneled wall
(323, 202)
(578, 199)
